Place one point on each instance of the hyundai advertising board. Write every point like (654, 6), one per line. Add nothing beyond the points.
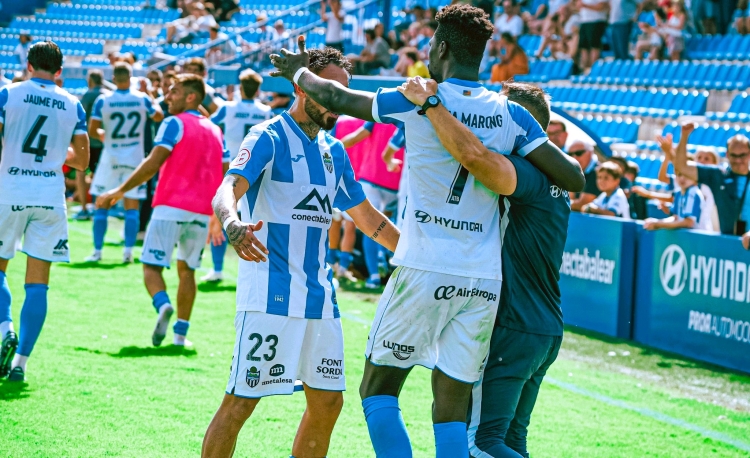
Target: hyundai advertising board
(693, 296)
(596, 275)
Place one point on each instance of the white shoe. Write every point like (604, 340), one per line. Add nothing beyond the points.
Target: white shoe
(346, 275)
(96, 257)
(160, 331)
(185, 343)
(127, 258)
(213, 277)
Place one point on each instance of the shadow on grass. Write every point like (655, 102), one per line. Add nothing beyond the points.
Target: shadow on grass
(13, 390)
(93, 265)
(211, 287)
(140, 352)
(359, 287)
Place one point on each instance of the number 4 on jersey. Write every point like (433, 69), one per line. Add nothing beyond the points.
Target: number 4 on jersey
(39, 151)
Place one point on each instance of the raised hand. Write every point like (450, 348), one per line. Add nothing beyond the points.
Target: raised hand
(418, 89)
(289, 62)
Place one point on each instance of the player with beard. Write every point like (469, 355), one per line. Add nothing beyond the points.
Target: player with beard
(439, 307)
(288, 175)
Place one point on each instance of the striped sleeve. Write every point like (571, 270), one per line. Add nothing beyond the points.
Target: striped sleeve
(530, 135)
(149, 105)
(254, 156)
(170, 133)
(349, 193)
(80, 128)
(390, 106)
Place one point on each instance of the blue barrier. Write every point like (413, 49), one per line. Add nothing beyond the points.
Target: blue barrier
(693, 296)
(596, 276)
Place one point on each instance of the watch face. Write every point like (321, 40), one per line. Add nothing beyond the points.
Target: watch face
(433, 100)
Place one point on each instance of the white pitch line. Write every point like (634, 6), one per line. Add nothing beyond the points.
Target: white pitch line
(721, 437)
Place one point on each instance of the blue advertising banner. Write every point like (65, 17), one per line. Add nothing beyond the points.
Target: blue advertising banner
(596, 275)
(693, 296)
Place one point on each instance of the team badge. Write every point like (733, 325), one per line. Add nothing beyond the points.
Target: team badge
(242, 157)
(328, 162)
(252, 377)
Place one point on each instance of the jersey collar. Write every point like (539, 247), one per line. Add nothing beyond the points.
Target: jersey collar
(456, 81)
(42, 81)
(297, 129)
(193, 112)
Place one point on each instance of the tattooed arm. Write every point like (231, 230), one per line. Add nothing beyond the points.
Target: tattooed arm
(241, 235)
(375, 225)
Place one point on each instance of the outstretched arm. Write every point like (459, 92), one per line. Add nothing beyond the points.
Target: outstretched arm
(681, 165)
(144, 172)
(241, 235)
(331, 94)
(666, 145)
(374, 224)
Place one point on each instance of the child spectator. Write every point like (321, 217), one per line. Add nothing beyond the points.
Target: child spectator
(649, 42)
(673, 30)
(410, 65)
(513, 60)
(612, 201)
(686, 209)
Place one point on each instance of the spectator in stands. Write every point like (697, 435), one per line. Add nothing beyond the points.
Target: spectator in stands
(708, 157)
(560, 34)
(22, 50)
(625, 183)
(166, 82)
(742, 15)
(593, 25)
(612, 201)
(224, 9)
(686, 209)
(334, 23)
(638, 204)
(509, 21)
(186, 29)
(673, 30)
(729, 185)
(409, 64)
(95, 81)
(557, 133)
(222, 51)
(427, 32)
(584, 154)
(535, 16)
(724, 14)
(374, 56)
(197, 66)
(154, 77)
(513, 60)
(703, 16)
(281, 32)
(622, 13)
(649, 42)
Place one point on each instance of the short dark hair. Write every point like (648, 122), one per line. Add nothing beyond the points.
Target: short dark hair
(611, 168)
(508, 37)
(45, 56)
(633, 168)
(557, 122)
(370, 33)
(122, 71)
(250, 81)
(169, 74)
(95, 76)
(530, 97)
(192, 83)
(466, 30)
(197, 62)
(322, 58)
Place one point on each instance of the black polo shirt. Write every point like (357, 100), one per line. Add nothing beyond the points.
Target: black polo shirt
(727, 195)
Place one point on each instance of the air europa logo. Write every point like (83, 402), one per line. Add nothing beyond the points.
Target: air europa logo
(673, 270)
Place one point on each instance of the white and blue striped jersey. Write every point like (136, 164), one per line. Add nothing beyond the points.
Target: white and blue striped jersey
(236, 118)
(295, 183)
(688, 203)
(171, 130)
(617, 203)
(123, 115)
(39, 121)
(451, 221)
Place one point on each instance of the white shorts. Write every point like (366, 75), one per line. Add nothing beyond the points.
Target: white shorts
(379, 197)
(44, 231)
(162, 236)
(434, 320)
(272, 352)
(110, 174)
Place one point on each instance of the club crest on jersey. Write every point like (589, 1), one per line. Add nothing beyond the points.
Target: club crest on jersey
(252, 377)
(328, 161)
(242, 157)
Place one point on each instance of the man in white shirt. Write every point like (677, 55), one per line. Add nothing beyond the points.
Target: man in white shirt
(334, 23)
(509, 21)
(594, 15)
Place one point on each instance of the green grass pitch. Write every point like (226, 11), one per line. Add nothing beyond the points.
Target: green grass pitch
(97, 388)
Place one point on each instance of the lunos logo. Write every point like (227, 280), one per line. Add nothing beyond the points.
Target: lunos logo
(402, 352)
(673, 270)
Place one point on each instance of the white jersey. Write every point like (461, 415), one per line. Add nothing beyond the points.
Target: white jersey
(294, 184)
(123, 115)
(617, 203)
(39, 120)
(451, 221)
(237, 118)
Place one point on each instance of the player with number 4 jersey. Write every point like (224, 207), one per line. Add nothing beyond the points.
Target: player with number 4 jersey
(122, 114)
(38, 121)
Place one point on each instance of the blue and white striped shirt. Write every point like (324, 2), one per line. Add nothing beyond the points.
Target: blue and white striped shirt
(294, 184)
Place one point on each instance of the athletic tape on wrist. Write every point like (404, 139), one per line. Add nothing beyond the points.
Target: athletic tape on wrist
(298, 74)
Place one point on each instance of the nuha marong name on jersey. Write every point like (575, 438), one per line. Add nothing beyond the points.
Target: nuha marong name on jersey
(45, 102)
(479, 121)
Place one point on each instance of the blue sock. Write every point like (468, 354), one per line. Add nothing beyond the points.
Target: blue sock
(332, 256)
(387, 429)
(181, 327)
(217, 254)
(4, 300)
(372, 250)
(132, 222)
(100, 227)
(33, 313)
(345, 260)
(160, 299)
(450, 440)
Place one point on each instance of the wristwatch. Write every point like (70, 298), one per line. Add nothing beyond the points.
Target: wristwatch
(432, 101)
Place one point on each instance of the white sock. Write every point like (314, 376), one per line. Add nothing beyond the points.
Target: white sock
(19, 360)
(97, 252)
(5, 327)
(127, 251)
(179, 340)
(375, 277)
